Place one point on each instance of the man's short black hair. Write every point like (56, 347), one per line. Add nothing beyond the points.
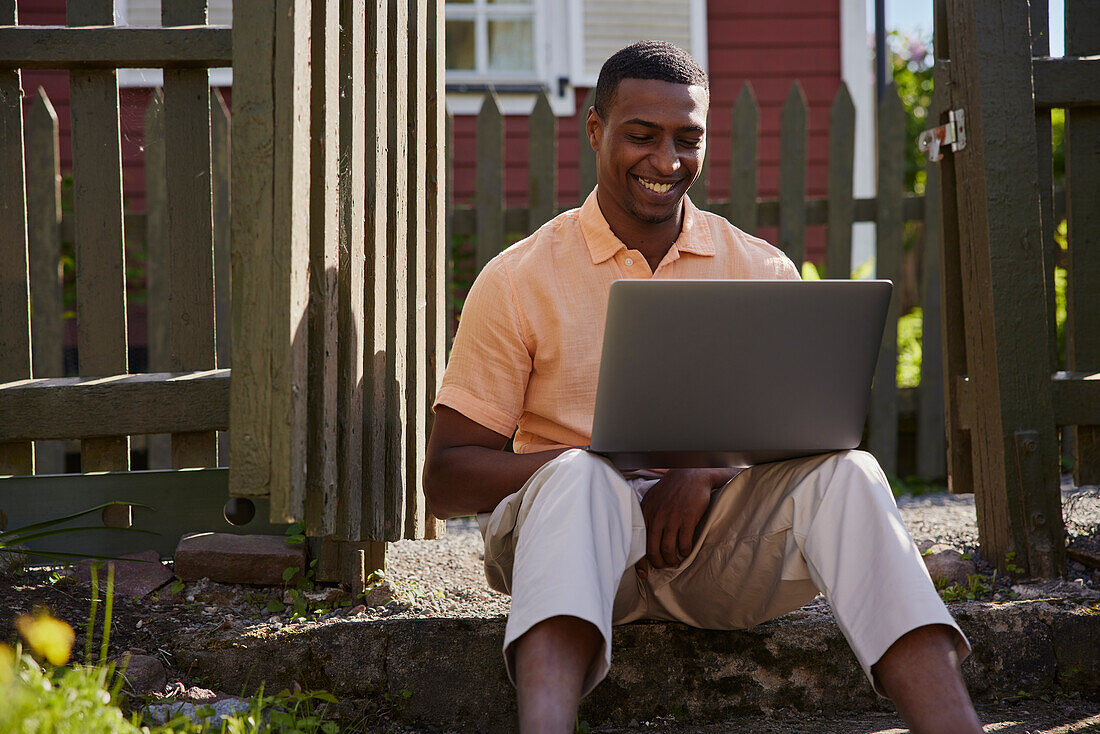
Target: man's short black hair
(658, 60)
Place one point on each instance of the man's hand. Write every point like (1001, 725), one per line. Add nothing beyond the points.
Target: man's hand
(673, 508)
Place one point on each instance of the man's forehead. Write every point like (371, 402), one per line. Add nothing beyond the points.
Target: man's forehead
(654, 100)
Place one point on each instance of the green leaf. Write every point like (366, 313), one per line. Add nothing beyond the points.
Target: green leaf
(288, 573)
(58, 520)
(17, 537)
(274, 605)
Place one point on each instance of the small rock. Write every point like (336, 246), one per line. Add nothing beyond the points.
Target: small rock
(140, 574)
(274, 620)
(379, 594)
(145, 674)
(161, 713)
(237, 559)
(225, 624)
(948, 564)
(361, 609)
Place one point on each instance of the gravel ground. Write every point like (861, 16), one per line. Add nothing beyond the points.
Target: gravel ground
(451, 567)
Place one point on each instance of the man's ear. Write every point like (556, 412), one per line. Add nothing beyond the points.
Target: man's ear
(594, 127)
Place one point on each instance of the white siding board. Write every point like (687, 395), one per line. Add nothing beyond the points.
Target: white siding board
(611, 24)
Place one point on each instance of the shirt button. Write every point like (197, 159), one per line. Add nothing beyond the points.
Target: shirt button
(629, 262)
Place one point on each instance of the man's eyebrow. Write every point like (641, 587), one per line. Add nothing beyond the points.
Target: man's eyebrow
(650, 124)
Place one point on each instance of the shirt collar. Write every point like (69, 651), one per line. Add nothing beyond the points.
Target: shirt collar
(603, 244)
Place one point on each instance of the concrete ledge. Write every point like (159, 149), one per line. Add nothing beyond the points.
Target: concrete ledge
(455, 675)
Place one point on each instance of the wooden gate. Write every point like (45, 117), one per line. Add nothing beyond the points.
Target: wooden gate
(1006, 394)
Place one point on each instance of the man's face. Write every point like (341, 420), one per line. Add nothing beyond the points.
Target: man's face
(649, 147)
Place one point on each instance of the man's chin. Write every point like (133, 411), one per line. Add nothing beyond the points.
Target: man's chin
(657, 216)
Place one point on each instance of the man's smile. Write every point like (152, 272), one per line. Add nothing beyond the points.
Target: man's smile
(656, 186)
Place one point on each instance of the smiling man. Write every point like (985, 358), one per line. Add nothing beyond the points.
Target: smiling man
(579, 545)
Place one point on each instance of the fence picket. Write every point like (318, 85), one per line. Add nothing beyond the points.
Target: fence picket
(324, 253)
(449, 232)
(490, 180)
(251, 224)
(220, 126)
(883, 439)
(43, 189)
(435, 220)
(97, 206)
(158, 271)
(416, 381)
(744, 132)
(931, 436)
(842, 149)
(542, 142)
(15, 318)
(397, 262)
(792, 175)
(1083, 222)
(586, 160)
(290, 261)
(376, 197)
(698, 191)
(190, 226)
(355, 156)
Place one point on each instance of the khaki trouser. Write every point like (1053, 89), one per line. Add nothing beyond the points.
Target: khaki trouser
(566, 543)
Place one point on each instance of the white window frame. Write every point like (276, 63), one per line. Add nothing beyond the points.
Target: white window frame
(559, 62)
(219, 77)
(551, 27)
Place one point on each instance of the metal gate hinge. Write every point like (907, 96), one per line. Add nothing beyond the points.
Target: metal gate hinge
(952, 135)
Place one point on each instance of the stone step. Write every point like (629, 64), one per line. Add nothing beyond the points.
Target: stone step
(448, 673)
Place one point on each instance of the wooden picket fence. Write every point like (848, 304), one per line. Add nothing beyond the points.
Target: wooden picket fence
(330, 277)
(492, 224)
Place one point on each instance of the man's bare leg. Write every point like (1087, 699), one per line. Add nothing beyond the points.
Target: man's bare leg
(551, 660)
(920, 672)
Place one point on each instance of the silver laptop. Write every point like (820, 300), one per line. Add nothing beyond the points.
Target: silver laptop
(699, 373)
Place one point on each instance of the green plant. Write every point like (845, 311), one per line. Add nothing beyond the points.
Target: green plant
(12, 541)
(913, 485)
(977, 587)
(41, 694)
(1011, 566)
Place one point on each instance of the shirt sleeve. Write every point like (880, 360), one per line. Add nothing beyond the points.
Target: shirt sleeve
(486, 376)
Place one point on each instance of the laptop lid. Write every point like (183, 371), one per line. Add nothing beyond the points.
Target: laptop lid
(735, 372)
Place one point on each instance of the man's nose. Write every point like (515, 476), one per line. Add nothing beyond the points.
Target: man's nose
(665, 159)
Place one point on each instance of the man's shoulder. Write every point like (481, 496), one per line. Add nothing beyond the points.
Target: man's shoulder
(728, 235)
(534, 251)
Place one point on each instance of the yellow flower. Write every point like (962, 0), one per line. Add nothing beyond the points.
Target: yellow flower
(51, 638)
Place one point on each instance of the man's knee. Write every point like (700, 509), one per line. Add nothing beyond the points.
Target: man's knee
(579, 474)
(855, 474)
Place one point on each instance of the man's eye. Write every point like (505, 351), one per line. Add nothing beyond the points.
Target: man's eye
(690, 143)
(638, 138)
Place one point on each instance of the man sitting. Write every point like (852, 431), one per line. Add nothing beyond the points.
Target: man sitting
(580, 546)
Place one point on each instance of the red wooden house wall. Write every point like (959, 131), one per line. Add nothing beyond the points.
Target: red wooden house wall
(768, 44)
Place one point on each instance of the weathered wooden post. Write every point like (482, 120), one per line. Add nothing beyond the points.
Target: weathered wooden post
(1006, 398)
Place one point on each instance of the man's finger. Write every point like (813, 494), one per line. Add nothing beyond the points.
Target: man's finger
(686, 538)
(669, 546)
(653, 546)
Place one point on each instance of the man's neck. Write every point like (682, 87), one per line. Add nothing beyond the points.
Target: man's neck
(653, 240)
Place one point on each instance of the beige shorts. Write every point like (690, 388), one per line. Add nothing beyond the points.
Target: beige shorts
(566, 544)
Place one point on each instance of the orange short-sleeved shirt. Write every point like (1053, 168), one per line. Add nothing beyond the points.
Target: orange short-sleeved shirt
(527, 351)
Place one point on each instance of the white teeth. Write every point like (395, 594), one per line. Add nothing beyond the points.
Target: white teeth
(654, 186)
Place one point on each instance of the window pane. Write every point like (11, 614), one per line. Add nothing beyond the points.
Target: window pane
(460, 45)
(510, 45)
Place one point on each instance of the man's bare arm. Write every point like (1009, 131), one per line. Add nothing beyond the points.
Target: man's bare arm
(466, 469)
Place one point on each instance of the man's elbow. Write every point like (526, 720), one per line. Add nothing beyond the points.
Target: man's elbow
(434, 481)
